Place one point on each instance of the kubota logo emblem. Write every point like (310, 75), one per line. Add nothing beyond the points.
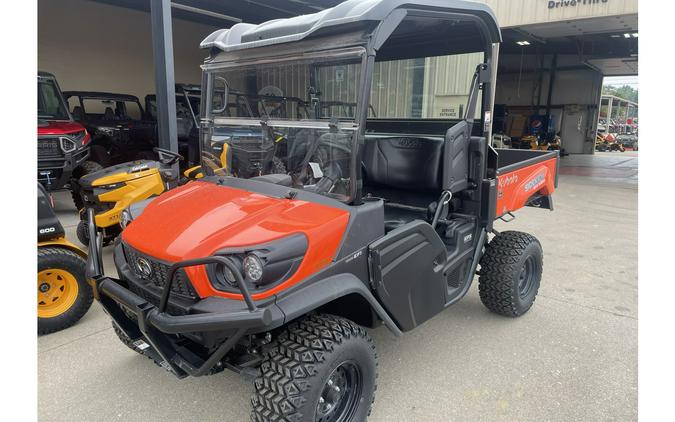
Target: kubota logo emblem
(507, 181)
(143, 267)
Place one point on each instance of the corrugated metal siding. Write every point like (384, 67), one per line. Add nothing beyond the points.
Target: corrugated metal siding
(339, 83)
(526, 12)
(448, 76)
(292, 79)
(391, 92)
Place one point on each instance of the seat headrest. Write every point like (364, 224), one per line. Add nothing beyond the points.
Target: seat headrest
(109, 114)
(78, 113)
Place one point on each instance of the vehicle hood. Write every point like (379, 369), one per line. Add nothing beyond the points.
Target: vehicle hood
(58, 127)
(200, 218)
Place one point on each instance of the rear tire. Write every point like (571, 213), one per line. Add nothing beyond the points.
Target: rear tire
(64, 295)
(323, 367)
(510, 273)
(83, 232)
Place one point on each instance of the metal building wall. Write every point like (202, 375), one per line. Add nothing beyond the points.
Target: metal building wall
(447, 82)
(525, 12)
(392, 89)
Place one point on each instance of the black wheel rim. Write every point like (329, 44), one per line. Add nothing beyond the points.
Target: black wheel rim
(340, 394)
(526, 279)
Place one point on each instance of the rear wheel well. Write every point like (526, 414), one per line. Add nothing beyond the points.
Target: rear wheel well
(353, 307)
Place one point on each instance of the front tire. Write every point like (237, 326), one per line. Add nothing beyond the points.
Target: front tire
(510, 273)
(64, 295)
(322, 368)
(83, 232)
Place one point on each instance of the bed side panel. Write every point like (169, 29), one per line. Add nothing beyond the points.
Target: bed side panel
(515, 188)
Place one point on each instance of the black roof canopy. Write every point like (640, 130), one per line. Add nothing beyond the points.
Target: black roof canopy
(418, 28)
(100, 95)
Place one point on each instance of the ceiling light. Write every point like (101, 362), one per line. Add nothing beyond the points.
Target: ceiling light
(635, 34)
(523, 42)
(626, 35)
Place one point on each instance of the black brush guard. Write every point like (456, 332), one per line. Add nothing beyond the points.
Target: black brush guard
(153, 331)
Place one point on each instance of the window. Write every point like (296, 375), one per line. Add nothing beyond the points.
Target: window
(50, 102)
(426, 88)
(110, 109)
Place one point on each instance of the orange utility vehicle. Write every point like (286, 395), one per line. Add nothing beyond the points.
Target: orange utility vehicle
(372, 220)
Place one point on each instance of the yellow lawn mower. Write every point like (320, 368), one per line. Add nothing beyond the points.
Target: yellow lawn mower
(111, 190)
(63, 293)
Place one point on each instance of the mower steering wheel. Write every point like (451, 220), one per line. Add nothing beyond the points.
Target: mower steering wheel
(167, 157)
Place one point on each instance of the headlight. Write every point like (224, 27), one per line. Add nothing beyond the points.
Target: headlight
(253, 267)
(67, 144)
(125, 219)
(261, 267)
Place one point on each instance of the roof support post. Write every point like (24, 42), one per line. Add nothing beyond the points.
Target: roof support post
(551, 83)
(610, 109)
(162, 49)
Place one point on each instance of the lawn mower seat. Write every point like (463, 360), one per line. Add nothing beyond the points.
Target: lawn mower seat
(406, 172)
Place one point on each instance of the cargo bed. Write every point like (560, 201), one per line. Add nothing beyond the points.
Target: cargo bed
(525, 178)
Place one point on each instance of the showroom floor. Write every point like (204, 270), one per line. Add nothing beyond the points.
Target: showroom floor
(573, 357)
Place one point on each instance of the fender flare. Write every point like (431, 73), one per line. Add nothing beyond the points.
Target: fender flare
(63, 243)
(323, 291)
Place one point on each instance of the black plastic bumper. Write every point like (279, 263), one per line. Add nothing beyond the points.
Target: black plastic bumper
(56, 172)
(153, 331)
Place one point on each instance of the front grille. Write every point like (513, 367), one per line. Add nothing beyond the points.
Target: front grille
(181, 285)
(49, 147)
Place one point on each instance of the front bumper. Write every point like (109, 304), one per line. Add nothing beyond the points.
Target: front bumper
(55, 172)
(172, 341)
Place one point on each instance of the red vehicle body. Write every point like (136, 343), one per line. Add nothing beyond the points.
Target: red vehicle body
(62, 142)
(250, 219)
(526, 183)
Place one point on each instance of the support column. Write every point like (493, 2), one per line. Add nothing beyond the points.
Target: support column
(162, 50)
(551, 83)
(610, 107)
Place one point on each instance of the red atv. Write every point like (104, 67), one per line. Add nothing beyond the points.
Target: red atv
(63, 143)
(372, 221)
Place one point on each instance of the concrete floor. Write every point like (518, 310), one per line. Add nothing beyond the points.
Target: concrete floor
(573, 357)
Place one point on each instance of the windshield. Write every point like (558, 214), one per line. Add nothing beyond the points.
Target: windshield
(294, 117)
(111, 109)
(184, 107)
(50, 102)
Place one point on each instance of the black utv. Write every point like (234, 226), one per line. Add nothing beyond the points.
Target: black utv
(188, 97)
(117, 123)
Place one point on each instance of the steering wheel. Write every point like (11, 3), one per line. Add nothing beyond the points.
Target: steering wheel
(167, 157)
